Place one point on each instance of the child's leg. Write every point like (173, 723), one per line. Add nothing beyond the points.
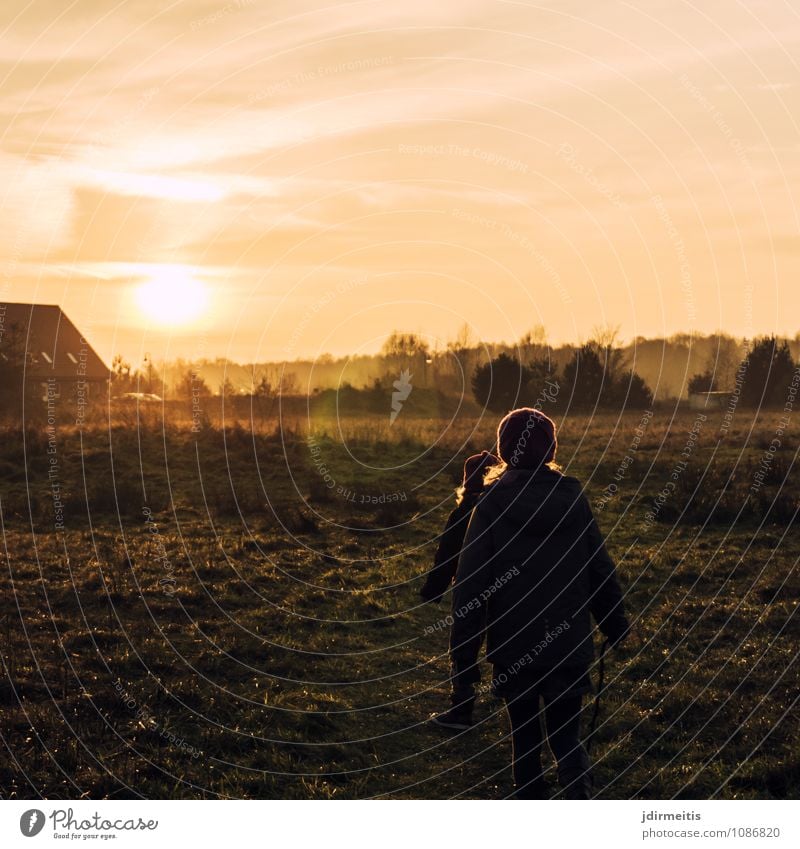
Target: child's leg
(462, 689)
(462, 696)
(563, 718)
(526, 736)
(462, 700)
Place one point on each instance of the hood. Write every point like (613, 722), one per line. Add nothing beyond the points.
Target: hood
(535, 499)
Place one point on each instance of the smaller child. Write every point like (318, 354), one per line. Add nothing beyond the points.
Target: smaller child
(441, 576)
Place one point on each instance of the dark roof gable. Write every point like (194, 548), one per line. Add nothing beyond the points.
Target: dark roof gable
(54, 346)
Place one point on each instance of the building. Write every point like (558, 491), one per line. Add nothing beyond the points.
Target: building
(708, 400)
(44, 355)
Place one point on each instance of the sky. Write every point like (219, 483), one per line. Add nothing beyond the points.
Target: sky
(271, 180)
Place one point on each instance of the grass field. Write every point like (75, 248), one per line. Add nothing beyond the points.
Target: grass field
(234, 614)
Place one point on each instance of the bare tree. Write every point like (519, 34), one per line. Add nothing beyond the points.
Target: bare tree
(461, 348)
(191, 386)
(723, 359)
(399, 345)
(289, 384)
(532, 345)
(463, 340)
(605, 336)
(227, 389)
(286, 383)
(605, 340)
(123, 378)
(263, 388)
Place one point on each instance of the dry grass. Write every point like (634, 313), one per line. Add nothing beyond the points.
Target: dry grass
(259, 636)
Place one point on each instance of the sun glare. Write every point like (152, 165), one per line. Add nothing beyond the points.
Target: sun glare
(172, 296)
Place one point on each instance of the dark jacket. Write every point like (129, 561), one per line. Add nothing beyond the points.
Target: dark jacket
(533, 568)
(445, 561)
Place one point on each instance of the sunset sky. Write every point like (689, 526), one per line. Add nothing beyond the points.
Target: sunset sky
(268, 180)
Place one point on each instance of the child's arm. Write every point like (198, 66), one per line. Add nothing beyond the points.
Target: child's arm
(445, 560)
(606, 602)
(469, 598)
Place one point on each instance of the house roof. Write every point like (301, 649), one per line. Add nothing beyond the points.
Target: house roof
(54, 346)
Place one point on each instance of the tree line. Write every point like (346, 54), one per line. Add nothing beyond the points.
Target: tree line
(597, 374)
(600, 372)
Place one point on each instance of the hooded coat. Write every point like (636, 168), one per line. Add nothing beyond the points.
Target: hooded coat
(532, 573)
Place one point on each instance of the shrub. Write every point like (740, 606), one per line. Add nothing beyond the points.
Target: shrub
(499, 384)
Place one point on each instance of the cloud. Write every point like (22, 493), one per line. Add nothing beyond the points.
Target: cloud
(287, 136)
(36, 206)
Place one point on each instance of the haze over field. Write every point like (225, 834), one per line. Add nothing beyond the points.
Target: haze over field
(266, 181)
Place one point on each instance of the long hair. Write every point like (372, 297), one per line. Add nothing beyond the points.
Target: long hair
(461, 491)
(494, 473)
(498, 470)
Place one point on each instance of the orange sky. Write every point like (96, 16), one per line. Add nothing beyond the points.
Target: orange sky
(323, 173)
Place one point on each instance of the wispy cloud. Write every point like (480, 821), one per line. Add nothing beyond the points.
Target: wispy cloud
(277, 136)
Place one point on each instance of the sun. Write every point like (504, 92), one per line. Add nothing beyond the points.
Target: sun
(172, 296)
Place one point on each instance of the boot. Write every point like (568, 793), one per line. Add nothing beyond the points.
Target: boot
(576, 777)
(459, 717)
(455, 719)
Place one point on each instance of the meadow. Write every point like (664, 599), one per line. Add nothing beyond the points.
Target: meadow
(233, 612)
